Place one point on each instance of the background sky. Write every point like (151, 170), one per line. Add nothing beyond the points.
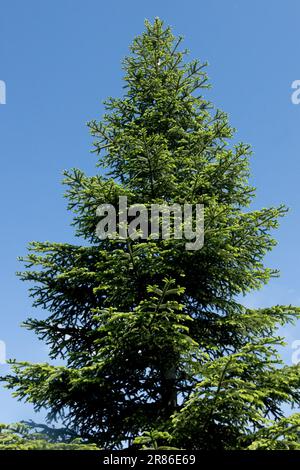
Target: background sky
(61, 58)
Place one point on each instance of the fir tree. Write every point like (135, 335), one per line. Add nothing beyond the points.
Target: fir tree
(155, 339)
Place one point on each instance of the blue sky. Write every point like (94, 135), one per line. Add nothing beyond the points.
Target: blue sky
(61, 58)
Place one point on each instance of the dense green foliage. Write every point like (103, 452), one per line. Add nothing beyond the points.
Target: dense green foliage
(154, 337)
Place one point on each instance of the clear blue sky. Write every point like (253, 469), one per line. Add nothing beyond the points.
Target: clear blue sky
(61, 58)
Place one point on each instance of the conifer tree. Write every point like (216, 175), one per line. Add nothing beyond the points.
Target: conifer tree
(158, 348)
